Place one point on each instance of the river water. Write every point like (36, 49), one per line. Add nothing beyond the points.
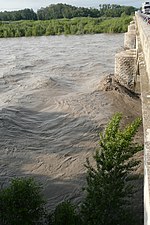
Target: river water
(51, 108)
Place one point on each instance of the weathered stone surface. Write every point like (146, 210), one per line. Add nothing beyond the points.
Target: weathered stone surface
(126, 67)
(131, 27)
(130, 40)
(143, 32)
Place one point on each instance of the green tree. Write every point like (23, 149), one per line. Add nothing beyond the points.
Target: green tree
(25, 14)
(65, 214)
(108, 189)
(21, 203)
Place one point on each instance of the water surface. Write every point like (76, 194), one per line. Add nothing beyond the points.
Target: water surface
(51, 108)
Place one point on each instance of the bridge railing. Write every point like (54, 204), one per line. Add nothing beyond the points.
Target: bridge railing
(143, 34)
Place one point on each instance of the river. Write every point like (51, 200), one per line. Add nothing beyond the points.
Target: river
(52, 108)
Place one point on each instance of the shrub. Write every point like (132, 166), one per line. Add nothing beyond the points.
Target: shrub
(21, 203)
(65, 214)
(108, 189)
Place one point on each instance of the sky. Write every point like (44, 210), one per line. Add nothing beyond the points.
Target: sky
(10, 5)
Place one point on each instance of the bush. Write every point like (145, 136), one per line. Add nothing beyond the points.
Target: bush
(21, 203)
(65, 26)
(65, 214)
(108, 189)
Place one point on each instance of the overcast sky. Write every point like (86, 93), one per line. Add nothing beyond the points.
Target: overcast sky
(36, 4)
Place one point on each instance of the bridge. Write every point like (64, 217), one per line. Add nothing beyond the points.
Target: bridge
(143, 51)
(132, 70)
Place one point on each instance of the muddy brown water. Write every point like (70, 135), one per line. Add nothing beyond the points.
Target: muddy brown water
(52, 108)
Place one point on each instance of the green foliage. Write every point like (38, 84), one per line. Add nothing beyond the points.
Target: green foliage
(21, 203)
(68, 11)
(115, 10)
(108, 188)
(59, 11)
(65, 26)
(25, 14)
(81, 25)
(115, 25)
(64, 214)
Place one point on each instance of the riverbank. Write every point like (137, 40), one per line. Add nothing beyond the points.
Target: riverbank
(75, 26)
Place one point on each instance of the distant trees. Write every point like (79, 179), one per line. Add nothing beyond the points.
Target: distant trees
(67, 11)
(58, 11)
(25, 14)
(115, 10)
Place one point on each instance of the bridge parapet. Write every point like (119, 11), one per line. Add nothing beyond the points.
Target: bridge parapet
(143, 30)
(143, 49)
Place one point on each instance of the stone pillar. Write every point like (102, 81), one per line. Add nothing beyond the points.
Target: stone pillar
(130, 37)
(126, 68)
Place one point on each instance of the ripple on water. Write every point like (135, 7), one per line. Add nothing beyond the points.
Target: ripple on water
(50, 111)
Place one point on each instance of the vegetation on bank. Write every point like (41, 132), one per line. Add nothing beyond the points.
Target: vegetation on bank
(58, 19)
(108, 190)
(64, 26)
(58, 11)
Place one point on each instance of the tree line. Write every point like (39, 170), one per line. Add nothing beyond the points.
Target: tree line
(107, 193)
(73, 26)
(25, 14)
(57, 11)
